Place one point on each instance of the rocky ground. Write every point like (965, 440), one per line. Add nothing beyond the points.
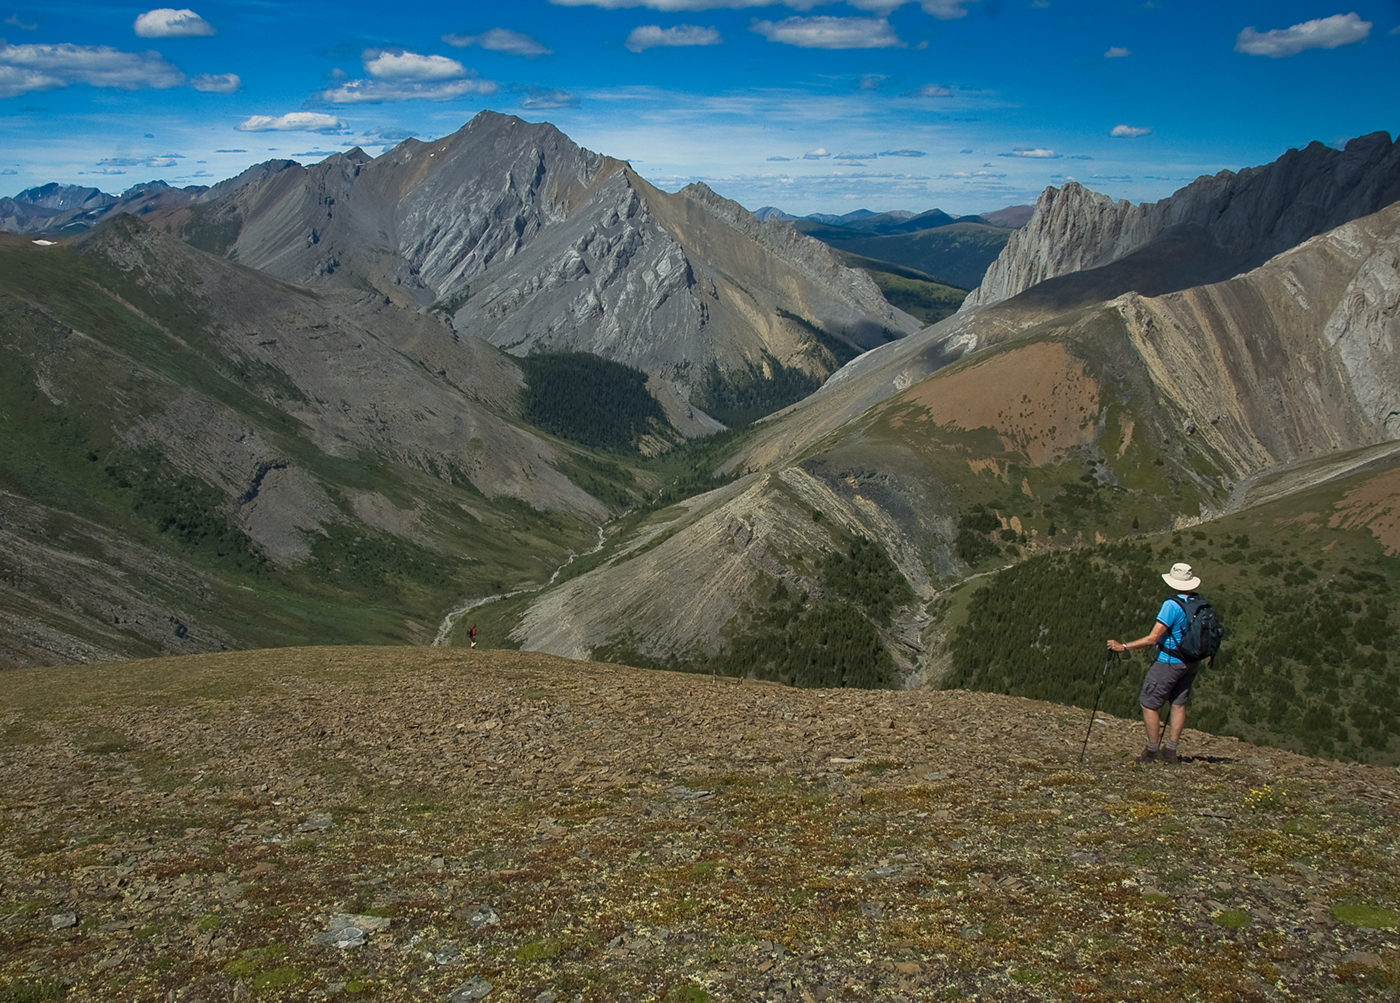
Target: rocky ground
(435, 824)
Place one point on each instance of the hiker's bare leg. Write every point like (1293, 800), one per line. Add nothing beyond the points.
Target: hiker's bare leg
(1178, 721)
(1152, 723)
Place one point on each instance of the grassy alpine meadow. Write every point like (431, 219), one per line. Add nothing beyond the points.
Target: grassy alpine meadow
(410, 823)
(1306, 589)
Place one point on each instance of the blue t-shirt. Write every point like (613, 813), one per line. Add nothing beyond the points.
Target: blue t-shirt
(1174, 617)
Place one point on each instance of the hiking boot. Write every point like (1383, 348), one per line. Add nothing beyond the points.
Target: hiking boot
(1169, 755)
(1149, 755)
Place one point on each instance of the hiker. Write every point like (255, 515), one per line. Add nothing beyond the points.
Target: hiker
(1169, 678)
(471, 634)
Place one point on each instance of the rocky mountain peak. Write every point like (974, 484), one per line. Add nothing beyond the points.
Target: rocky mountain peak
(1216, 227)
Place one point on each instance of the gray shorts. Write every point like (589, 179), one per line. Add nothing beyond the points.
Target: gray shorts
(1168, 681)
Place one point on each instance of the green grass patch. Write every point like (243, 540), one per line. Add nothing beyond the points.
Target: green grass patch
(1365, 915)
(1232, 919)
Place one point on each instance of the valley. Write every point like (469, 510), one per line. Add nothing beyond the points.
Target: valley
(332, 404)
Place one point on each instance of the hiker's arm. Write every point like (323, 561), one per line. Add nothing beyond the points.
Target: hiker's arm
(1158, 629)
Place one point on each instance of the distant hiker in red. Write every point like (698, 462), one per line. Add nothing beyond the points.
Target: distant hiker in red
(472, 634)
(1170, 678)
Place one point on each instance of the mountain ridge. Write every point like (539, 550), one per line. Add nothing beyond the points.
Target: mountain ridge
(1232, 221)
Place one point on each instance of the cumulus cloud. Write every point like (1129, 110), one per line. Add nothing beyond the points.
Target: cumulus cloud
(1033, 153)
(399, 65)
(830, 32)
(1129, 131)
(166, 22)
(901, 153)
(856, 156)
(398, 75)
(931, 91)
(514, 43)
(297, 121)
(818, 154)
(217, 83)
(650, 36)
(1323, 33)
(26, 68)
(1117, 52)
(548, 97)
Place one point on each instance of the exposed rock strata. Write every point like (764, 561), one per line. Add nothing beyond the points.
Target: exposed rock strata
(1212, 229)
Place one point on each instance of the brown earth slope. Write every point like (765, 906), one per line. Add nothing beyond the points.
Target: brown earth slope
(528, 828)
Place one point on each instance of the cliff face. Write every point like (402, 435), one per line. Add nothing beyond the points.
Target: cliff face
(529, 242)
(1297, 359)
(1214, 228)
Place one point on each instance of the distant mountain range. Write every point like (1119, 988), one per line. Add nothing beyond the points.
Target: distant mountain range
(938, 247)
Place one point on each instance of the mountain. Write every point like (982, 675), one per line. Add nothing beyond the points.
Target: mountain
(1013, 217)
(1212, 229)
(196, 455)
(1003, 435)
(69, 210)
(198, 452)
(519, 237)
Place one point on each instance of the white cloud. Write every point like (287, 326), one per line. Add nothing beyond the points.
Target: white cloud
(1323, 33)
(548, 97)
(297, 121)
(387, 65)
(1034, 153)
(217, 83)
(830, 32)
(931, 91)
(165, 160)
(946, 10)
(514, 43)
(818, 154)
(650, 36)
(14, 20)
(25, 68)
(1129, 131)
(1117, 52)
(166, 22)
(387, 91)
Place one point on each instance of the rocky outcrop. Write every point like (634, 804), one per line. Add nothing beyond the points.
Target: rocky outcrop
(1214, 228)
(1292, 361)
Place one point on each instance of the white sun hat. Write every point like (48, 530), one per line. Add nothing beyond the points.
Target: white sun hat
(1181, 578)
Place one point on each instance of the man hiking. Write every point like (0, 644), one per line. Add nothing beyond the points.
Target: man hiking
(1169, 678)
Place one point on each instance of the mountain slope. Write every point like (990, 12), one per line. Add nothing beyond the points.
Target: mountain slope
(1002, 433)
(517, 824)
(526, 241)
(1212, 229)
(195, 455)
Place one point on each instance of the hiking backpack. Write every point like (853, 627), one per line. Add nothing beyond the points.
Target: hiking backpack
(1200, 638)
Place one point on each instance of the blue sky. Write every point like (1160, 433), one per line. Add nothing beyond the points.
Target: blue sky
(964, 105)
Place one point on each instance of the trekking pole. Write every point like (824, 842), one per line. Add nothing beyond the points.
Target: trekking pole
(1103, 680)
